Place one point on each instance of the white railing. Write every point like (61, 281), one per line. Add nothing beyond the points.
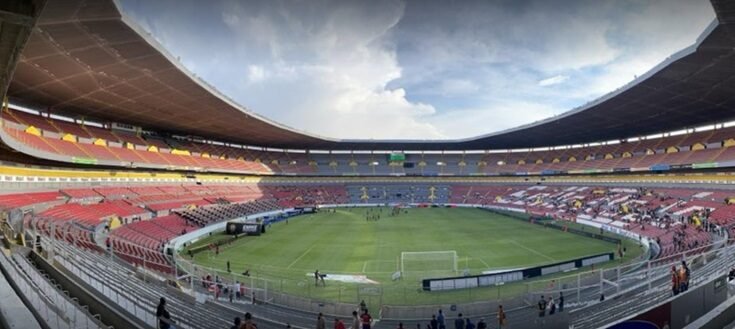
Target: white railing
(55, 308)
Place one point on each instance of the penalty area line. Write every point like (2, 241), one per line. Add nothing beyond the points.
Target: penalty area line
(533, 250)
(299, 258)
(483, 262)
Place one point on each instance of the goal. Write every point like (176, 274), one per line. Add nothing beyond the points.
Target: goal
(429, 261)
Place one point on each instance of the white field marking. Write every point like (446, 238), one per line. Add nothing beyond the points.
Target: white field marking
(299, 258)
(532, 250)
(364, 266)
(483, 262)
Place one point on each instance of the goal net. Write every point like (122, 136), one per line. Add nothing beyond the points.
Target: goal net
(429, 261)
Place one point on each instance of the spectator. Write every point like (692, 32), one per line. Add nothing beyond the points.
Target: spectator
(674, 281)
(355, 321)
(363, 306)
(501, 318)
(248, 324)
(469, 324)
(687, 274)
(338, 324)
(400, 325)
(481, 324)
(561, 301)
(552, 306)
(541, 307)
(320, 323)
(434, 324)
(164, 318)
(459, 322)
(602, 297)
(366, 320)
(237, 323)
(440, 320)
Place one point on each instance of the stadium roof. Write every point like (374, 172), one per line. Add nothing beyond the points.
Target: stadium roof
(17, 18)
(87, 58)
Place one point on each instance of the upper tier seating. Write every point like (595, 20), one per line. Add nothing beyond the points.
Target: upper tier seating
(121, 148)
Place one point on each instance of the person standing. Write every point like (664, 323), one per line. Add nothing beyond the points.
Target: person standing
(468, 324)
(687, 274)
(552, 306)
(338, 324)
(366, 319)
(320, 323)
(501, 318)
(441, 321)
(355, 321)
(248, 324)
(561, 301)
(164, 318)
(481, 324)
(237, 323)
(459, 322)
(434, 324)
(674, 281)
(541, 307)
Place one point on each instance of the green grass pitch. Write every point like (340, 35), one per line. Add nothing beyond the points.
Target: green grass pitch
(345, 243)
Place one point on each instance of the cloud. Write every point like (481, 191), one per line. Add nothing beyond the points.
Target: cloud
(498, 116)
(457, 87)
(256, 73)
(555, 80)
(326, 73)
(428, 69)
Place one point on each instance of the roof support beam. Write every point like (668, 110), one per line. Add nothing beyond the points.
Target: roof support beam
(15, 18)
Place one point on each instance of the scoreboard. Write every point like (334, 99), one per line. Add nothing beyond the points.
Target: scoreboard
(396, 157)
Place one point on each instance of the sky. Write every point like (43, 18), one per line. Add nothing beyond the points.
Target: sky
(418, 69)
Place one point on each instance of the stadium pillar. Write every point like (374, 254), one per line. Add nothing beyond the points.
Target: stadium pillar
(602, 282)
(579, 286)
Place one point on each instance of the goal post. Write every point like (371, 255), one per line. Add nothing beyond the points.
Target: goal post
(429, 261)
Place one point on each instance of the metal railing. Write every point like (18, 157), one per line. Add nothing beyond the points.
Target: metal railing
(55, 308)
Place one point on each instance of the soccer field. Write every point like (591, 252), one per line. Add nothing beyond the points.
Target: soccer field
(346, 243)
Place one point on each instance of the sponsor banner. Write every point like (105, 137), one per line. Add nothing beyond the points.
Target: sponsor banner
(705, 165)
(616, 170)
(520, 173)
(682, 166)
(88, 161)
(660, 167)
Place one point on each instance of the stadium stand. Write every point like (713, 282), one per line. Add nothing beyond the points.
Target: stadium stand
(107, 177)
(697, 148)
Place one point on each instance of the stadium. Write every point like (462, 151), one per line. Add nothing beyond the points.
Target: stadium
(125, 179)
